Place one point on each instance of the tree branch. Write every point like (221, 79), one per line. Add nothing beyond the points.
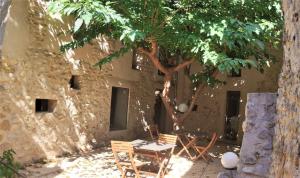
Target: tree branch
(154, 47)
(166, 99)
(153, 57)
(182, 65)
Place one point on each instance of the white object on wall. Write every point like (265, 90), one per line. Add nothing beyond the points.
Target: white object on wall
(229, 160)
(183, 107)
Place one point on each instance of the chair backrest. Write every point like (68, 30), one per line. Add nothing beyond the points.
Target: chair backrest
(153, 131)
(212, 141)
(166, 138)
(123, 147)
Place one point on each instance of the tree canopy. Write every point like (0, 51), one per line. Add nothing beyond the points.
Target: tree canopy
(220, 35)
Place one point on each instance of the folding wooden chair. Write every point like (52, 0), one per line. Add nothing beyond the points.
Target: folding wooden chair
(153, 131)
(203, 151)
(130, 164)
(125, 164)
(169, 139)
(187, 144)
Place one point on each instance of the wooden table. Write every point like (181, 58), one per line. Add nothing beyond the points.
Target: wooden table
(151, 145)
(159, 152)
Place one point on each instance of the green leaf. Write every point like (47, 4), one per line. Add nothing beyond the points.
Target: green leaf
(87, 18)
(132, 36)
(260, 44)
(78, 24)
(252, 63)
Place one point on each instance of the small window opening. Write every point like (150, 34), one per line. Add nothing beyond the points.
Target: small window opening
(74, 82)
(119, 108)
(195, 107)
(235, 74)
(45, 105)
(136, 61)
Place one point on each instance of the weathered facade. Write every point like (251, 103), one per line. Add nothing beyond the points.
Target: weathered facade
(32, 68)
(213, 105)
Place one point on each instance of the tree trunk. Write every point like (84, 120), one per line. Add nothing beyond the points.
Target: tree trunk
(4, 5)
(287, 131)
(177, 118)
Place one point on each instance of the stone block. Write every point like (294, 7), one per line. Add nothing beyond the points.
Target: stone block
(257, 142)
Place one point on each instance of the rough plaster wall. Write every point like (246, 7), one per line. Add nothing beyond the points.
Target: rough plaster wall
(211, 111)
(286, 141)
(4, 6)
(32, 67)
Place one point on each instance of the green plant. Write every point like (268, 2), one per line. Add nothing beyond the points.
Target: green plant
(8, 166)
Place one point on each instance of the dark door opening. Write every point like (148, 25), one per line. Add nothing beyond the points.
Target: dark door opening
(232, 114)
(159, 113)
(119, 108)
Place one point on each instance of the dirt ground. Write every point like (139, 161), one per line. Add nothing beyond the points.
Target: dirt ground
(100, 163)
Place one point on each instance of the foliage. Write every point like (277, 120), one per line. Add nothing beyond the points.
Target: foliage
(221, 35)
(8, 164)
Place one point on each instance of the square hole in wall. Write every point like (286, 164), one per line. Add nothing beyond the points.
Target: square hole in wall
(136, 61)
(195, 107)
(74, 82)
(45, 105)
(233, 73)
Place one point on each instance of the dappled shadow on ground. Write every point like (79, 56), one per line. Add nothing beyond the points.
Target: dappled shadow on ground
(100, 163)
(202, 169)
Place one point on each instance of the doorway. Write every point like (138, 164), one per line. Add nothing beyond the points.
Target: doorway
(160, 115)
(232, 115)
(119, 108)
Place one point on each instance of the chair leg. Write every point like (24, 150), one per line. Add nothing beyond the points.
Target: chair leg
(123, 174)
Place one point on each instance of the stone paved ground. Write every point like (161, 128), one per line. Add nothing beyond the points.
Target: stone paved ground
(100, 164)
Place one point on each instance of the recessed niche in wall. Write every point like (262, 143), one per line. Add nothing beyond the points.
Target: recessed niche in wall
(136, 61)
(195, 107)
(45, 105)
(74, 82)
(233, 73)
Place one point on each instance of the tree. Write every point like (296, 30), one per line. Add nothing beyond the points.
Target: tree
(220, 35)
(286, 139)
(4, 6)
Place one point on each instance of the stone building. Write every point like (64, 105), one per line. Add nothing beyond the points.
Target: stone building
(54, 103)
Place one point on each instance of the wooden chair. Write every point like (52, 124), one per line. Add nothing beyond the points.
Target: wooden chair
(162, 138)
(130, 164)
(153, 131)
(188, 145)
(169, 139)
(127, 164)
(203, 151)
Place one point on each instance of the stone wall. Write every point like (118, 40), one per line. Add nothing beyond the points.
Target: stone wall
(255, 154)
(32, 67)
